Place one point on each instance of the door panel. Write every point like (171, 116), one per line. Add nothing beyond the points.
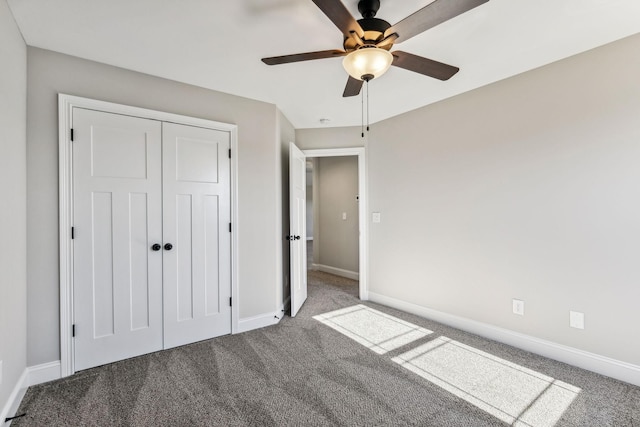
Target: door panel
(211, 235)
(139, 260)
(197, 211)
(103, 280)
(117, 217)
(298, 227)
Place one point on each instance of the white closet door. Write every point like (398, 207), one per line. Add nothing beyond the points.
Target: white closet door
(196, 206)
(117, 219)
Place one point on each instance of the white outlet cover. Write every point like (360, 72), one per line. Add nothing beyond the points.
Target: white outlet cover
(576, 319)
(518, 307)
(375, 217)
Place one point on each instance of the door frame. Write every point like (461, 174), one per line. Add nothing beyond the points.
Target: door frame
(363, 200)
(66, 103)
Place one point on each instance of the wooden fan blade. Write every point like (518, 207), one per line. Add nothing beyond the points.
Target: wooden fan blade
(297, 57)
(353, 87)
(431, 15)
(340, 16)
(422, 65)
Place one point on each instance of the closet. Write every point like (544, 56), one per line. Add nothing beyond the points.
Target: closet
(151, 235)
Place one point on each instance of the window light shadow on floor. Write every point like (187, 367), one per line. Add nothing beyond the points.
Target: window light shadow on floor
(510, 392)
(373, 329)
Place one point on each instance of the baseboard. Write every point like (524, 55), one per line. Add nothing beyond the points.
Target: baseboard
(44, 373)
(613, 368)
(257, 322)
(336, 271)
(12, 404)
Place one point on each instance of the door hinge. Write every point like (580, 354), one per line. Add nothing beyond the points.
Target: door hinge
(73, 233)
(230, 301)
(73, 330)
(229, 227)
(229, 152)
(71, 134)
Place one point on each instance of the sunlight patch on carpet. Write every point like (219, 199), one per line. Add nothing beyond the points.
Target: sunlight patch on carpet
(375, 330)
(511, 393)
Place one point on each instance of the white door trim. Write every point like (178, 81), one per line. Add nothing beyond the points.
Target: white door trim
(363, 207)
(65, 106)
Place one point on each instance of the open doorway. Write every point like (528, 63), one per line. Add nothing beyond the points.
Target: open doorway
(336, 217)
(332, 201)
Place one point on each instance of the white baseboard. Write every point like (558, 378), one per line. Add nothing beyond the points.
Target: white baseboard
(44, 373)
(32, 375)
(336, 271)
(12, 404)
(613, 368)
(259, 321)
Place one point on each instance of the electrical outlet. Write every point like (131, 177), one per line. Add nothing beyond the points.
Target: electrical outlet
(344, 216)
(375, 217)
(518, 307)
(576, 319)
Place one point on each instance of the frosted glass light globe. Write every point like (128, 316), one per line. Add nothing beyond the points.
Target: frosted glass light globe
(367, 63)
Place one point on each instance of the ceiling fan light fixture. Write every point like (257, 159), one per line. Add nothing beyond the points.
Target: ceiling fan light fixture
(367, 63)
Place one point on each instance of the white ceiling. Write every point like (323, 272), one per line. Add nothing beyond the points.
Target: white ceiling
(218, 44)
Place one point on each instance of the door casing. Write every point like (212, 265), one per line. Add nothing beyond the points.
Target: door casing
(66, 103)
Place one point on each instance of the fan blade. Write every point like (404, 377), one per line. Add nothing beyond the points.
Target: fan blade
(353, 87)
(297, 57)
(431, 15)
(425, 66)
(340, 16)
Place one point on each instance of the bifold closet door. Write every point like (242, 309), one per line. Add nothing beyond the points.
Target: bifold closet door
(196, 221)
(117, 214)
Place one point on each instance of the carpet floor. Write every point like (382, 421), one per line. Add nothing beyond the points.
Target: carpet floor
(325, 368)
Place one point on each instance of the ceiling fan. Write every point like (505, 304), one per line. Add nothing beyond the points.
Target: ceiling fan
(367, 41)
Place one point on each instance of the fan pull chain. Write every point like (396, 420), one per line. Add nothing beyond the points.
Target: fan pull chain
(362, 94)
(362, 113)
(367, 105)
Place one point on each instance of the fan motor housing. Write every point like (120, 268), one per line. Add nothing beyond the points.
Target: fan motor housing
(374, 29)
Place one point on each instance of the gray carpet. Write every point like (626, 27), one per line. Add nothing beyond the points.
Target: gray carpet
(303, 372)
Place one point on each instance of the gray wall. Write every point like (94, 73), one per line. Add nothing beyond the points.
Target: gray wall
(337, 242)
(307, 139)
(260, 194)
(309, 205)
(527, 188)
(13, 181)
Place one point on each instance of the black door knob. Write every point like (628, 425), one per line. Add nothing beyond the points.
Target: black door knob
(168, 247)
(297, 237)
(156, 247)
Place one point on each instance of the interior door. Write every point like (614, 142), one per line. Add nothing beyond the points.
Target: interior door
(117, 211)
(197, 212)
(298, 227)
